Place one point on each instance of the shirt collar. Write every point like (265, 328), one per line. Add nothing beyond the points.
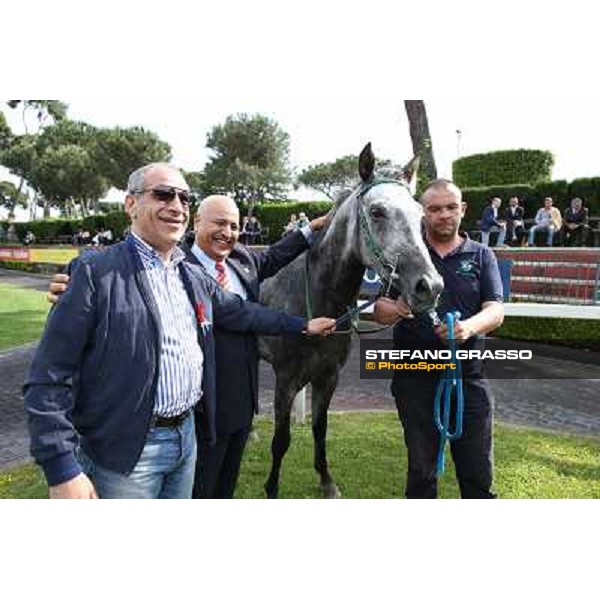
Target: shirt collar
(465, 240)
(205, 259)
(151, 258)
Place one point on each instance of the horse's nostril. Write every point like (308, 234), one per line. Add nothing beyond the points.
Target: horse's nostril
(422, 286)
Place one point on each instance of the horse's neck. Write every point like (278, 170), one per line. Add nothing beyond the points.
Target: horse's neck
(335, 271)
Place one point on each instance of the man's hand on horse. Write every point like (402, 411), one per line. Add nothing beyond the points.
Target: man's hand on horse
(58, 285)
(78, 488)
(388, 311)
(322, 326)
(318, 223)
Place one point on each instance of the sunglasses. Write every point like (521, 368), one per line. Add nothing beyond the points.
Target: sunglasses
(167, 194)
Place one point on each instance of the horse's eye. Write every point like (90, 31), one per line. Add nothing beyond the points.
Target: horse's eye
(377, 213)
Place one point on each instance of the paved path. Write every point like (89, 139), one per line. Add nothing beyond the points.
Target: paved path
(566, 405)
(27, 280)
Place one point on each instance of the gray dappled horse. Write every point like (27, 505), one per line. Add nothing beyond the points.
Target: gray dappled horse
(377, 225)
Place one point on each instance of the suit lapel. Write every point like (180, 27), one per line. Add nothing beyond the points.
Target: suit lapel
(244, 274)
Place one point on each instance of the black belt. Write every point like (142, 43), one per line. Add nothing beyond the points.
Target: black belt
(176, 421)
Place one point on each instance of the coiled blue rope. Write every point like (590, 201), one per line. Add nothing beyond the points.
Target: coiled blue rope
(451, 381)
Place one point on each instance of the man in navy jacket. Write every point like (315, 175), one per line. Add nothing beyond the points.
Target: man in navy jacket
(117, 376)
(217, 231)
(490, 222)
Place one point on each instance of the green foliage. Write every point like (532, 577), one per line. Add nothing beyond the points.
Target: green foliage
(503, 167)
(5, 132)
(276, 215)
(328, 178)
(10, 197)
(72, 164)
(120, 151)
(587, 188)
(368, 460)
(573, 333)
(479, 197)
(557, 190)
(531, 197)
(250, 160)
(45, 110)
(116, 221)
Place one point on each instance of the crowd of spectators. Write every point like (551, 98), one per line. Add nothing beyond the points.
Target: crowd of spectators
(570, 228)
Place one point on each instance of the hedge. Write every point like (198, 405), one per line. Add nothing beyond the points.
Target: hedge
(503, 167)
(52, 228)
(572, 333)
(275, 215)
(532, 196)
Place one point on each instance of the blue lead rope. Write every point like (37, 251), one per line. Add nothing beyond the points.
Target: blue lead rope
(451, 380)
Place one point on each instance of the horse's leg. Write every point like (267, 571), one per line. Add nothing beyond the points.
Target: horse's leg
(322, 391)
(284, 397)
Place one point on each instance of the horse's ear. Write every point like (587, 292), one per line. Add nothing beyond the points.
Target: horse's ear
(366, 163)
(409, 172)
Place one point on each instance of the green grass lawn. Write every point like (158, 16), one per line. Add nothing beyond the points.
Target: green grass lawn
(23, 315)
(368, 460)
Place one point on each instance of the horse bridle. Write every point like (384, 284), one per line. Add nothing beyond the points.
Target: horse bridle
(385, 270)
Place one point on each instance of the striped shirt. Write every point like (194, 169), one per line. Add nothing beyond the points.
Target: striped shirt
(180, 369)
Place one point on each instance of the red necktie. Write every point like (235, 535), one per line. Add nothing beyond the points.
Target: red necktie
(222, 278)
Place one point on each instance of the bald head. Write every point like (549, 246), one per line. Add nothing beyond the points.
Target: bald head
(217, 226)
(216, 203)
(443, 187)
(443, 211)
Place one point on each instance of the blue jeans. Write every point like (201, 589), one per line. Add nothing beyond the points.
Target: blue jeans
(549, 235)
(485, 235)
(165, 468)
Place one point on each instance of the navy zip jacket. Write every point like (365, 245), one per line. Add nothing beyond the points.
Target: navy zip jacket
(94, 375)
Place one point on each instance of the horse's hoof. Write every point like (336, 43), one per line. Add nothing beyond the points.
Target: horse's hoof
(331, 491)
(272, 492)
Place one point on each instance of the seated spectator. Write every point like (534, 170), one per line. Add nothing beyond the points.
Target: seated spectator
(490, 222)
(11, 234)
(513, 215)
(2, 234)
(576, 229)
(547, 219)
(106, 237)
(29, 238)
(85, 237)
(302, 220)
(254, 231)
(291, 226)
(245, 231)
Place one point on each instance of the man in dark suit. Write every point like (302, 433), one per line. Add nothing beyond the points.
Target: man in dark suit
(490, 222)
(576, 229)
(241, 270)
(513, 215)
(124, 377)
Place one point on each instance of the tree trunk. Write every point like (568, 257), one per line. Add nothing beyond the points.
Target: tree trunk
(46, 208)
(421, 138)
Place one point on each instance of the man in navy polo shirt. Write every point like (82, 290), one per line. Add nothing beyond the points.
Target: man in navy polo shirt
(472, 286)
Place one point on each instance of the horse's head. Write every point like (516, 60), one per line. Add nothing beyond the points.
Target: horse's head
(388, 221)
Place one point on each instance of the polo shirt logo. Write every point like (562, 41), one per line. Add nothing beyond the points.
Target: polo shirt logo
(467, 269)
